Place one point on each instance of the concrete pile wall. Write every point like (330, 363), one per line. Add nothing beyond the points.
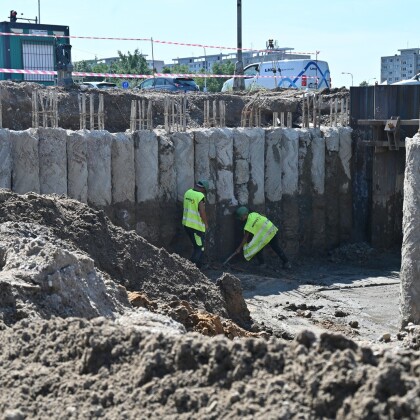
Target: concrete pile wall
(410, 264)
(300, 178)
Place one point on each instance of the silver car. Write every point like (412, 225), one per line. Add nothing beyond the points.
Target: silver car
(97, 85)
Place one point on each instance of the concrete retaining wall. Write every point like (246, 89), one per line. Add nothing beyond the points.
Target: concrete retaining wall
(410, 264)
(299, 178)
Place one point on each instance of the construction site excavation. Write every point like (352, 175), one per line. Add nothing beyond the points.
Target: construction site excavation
(104, 313)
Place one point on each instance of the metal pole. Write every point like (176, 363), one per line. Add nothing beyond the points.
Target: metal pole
(205, 69)
(238, 82)
(153, 59)
(239, 30)
(39, 11)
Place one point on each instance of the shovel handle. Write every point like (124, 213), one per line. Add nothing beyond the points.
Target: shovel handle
(230, 257)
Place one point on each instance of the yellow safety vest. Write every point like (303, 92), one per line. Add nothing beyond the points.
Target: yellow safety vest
(263, 232)
(191, 217)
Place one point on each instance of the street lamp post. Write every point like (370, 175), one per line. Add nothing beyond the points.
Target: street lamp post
(372, 78)
(39, 11)
(205, 69)
(345, 72)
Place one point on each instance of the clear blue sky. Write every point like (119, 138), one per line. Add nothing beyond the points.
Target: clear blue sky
(351, 35)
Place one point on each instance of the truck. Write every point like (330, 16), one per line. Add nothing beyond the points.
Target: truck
(304, 74)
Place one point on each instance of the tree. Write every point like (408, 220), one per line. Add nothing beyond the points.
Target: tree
(130, 64)
(82, 66)
(364, 83)
(89, 67)
(176, 69)
(215, 84)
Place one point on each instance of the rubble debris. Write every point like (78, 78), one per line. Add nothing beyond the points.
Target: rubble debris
(359, 252)
(203, 322)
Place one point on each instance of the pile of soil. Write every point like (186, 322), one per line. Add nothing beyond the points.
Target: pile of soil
(98, 368)
(42, 276)
(60, 257)
(125, 256)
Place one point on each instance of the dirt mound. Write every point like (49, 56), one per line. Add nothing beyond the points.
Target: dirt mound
(42, 276)
(124, 256)
(17, 108)
(83, 369)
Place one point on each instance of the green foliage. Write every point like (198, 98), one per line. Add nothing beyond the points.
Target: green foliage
(176, 69)
(135, 63)
(125, 63)
(130, 64)
(82, 66)
(364, 83)
(86, 67)
(100, 68)
(215, 84)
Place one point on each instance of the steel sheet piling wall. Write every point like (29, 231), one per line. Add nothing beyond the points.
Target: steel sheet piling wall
(377, 179)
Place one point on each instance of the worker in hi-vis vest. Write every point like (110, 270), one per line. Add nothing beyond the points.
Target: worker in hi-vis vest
(195, 219)
(263, 233)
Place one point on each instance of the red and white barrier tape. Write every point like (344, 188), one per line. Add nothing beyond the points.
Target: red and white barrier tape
(141, 76)
(147, 39)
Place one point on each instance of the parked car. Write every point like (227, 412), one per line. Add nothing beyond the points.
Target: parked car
(98, 85)
(172, 84)
(415, 80)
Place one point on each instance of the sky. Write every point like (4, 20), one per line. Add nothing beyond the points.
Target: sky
(351, 35)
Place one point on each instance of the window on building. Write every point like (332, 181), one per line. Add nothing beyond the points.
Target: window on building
(38, 56)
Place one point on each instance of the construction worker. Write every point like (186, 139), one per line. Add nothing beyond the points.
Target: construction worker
(263, 233)
(195, 219)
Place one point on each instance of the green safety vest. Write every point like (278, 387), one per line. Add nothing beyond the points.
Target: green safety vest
(263, 232)
(191, 217)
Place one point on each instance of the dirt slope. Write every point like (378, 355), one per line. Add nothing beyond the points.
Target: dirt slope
(126, 257)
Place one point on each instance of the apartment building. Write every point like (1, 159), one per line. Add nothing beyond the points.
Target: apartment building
(400, 67)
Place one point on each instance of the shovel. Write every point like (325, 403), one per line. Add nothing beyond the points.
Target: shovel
(229, 258)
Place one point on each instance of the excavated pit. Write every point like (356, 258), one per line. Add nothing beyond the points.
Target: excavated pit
(95, 321)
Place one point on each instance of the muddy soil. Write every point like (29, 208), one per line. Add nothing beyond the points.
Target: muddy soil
(353, 291)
